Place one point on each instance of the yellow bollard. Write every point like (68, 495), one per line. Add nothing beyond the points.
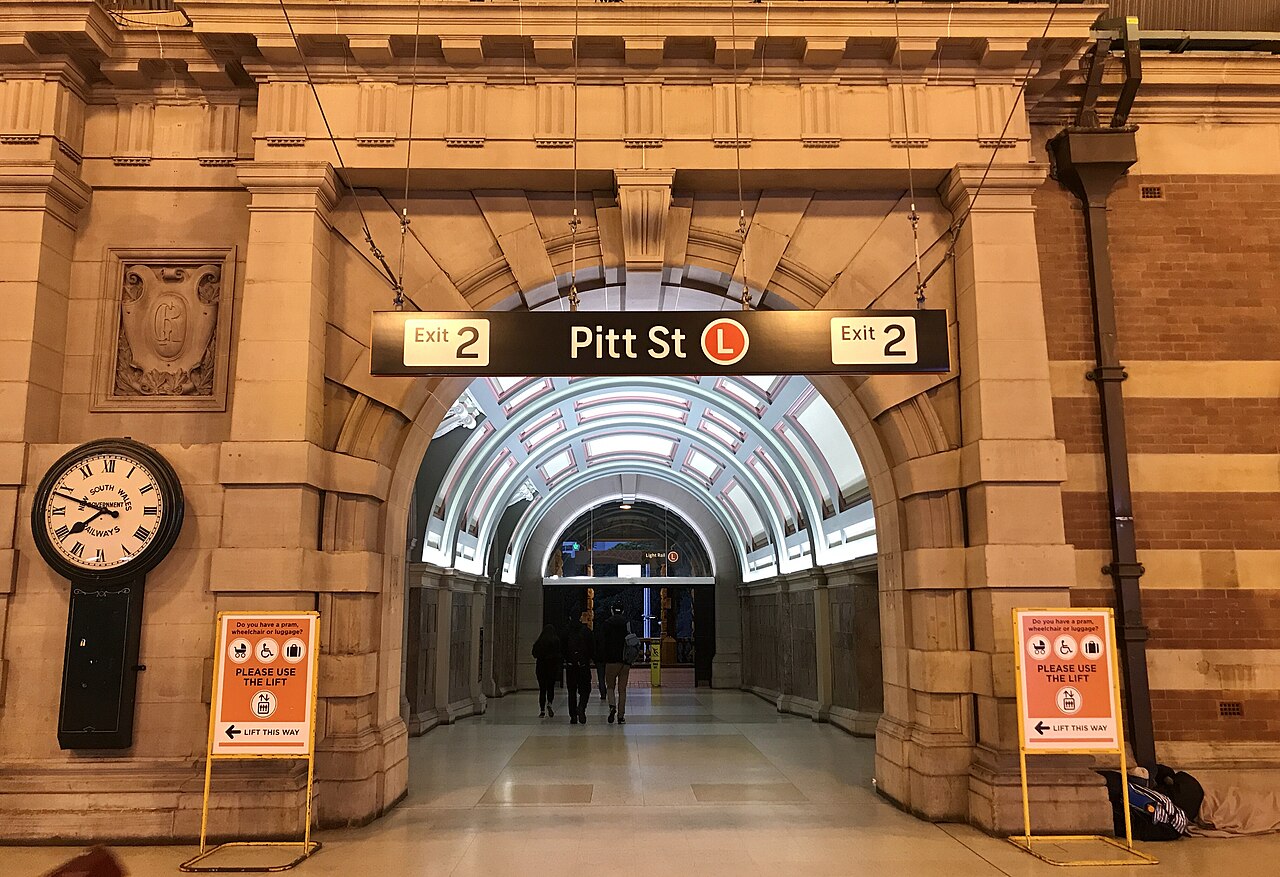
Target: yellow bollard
(655, 663)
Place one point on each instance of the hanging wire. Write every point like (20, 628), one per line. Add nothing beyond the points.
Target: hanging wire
(914, 215)
(954, 230)
(384, 268)
(575, 221)
(737, 153)
(398, 299)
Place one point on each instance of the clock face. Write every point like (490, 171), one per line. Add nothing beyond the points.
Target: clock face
(103, 510)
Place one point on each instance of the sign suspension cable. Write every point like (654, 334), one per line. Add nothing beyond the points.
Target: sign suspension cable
(953, 232)
(398, 299)
(575, 221)
(737, 154)
(914, 215)
(383, 268)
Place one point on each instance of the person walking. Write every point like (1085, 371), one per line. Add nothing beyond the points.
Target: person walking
(616, 669)
(547, 656)
(579, 655)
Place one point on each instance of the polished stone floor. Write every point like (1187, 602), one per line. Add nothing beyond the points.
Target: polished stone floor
(699, 783)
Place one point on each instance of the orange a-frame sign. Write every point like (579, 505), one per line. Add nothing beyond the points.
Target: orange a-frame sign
(1067, 680)
(264, 684)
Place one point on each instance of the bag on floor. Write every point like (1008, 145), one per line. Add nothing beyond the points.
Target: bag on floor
(1152, 815)
(1181, 788)
(632, 650)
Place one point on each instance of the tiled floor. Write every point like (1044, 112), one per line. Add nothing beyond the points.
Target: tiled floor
(697, 783)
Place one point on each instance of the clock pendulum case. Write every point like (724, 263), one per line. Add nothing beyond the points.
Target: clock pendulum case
(104, 515)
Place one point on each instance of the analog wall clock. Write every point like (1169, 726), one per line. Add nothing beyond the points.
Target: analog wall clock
(108, 510)
(103, 516)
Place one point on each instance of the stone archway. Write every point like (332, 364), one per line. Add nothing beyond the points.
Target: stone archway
(946, 579)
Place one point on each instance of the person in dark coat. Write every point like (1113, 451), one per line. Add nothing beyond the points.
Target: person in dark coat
(597, 651)
(579, 656)
(548, 657)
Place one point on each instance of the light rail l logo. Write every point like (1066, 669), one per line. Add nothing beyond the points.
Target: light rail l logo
(725, 341)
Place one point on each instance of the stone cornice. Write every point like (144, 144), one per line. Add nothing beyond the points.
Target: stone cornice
(46, 185)
(819, 35)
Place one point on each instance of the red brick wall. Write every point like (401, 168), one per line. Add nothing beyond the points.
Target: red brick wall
(1174, 426)
(1212, 618)
(1196, 521)
(1192, 716)
(1195, 277)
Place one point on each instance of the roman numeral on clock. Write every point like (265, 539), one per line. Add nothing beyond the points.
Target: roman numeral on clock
(146, 488)
(77, 550)
(86, 471)
(141, 534)
(109, 465)
(62, 533)
(150, 510)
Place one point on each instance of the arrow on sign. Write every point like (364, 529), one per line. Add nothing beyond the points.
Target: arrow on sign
(1041, 727)
(232, 733)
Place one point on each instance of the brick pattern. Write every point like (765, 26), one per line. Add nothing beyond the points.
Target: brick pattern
(1084, 519)
(1192, 716)
(1174, 426)
(1064, 275)
(1206, 520)
(1194, 280)
(1212, 618)
(1200, 521)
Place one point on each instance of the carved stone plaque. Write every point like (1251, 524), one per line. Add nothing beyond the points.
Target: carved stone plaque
(165, 337)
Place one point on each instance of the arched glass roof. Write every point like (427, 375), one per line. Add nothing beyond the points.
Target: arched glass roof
(765, 454)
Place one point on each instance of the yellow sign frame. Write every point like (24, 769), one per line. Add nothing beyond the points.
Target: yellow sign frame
(308, 847)
(1024, 842)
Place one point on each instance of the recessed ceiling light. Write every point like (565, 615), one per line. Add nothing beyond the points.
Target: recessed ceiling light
(625, 506)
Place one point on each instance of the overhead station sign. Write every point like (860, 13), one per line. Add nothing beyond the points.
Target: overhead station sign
(1067, 691)
(264, 684)
(627, 343)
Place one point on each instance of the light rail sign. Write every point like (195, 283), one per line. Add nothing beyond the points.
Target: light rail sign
(1068, 698)
(264, 684)
(626, 343)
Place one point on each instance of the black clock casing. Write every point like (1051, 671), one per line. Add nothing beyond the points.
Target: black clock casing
(112, 527)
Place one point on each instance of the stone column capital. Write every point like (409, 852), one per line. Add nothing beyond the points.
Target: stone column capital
(290, 185)
(43, 185)
(1002, 182)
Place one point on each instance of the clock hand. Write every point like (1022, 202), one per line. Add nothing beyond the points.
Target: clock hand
(79, 526)
(101, 509)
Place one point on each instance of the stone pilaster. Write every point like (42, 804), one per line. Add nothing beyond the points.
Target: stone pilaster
(1012, 467)
(40, 203)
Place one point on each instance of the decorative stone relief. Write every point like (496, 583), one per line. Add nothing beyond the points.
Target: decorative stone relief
(554, 126)
(166, 331)
(994, 104)
(220, 136)
(908, 119)
(283, 110)
(817, 121)
(644, 115)
(465, 125)
(376, 114)
(463, 414)
(526, 492)
(21, 109)
(725, 133)
(135, 133)
(644, 196)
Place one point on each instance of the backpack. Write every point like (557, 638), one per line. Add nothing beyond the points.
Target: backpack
(632, 650)
(1152, 815)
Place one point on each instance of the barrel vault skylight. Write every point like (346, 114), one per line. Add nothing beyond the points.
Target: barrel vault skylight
(766, 455)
